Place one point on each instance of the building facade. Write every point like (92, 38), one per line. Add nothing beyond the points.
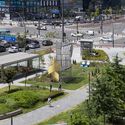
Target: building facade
(29, 8)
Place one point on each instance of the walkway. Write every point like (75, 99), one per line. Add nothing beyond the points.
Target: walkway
(73, 99)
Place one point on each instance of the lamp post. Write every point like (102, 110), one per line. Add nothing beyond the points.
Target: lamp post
(63, 34)
(77, 26)
(113, 41)
(89, 84)
(101, 25)
(39, 21)
(24, 25)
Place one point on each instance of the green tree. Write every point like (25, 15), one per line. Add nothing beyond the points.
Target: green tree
(97, 12)
(20, 40)
(9, 74)
(108, 96)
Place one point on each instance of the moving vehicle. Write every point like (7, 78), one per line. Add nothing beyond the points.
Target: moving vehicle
(76, 34)
(105, 38)
(47, 43)
(33, 45)
(2, 48)
(42, 28)
(13, 49)
(90, 32)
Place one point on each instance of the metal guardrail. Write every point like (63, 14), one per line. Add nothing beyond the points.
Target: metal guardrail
(11, 114)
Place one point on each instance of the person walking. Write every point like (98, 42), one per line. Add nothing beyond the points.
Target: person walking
(49, 101)
(60, 87)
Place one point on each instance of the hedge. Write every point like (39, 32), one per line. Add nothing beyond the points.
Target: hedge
(24, 98)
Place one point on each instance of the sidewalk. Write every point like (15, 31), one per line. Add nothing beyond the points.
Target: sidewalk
(46, 112)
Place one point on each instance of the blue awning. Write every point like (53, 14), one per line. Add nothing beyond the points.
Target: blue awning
(55, 11)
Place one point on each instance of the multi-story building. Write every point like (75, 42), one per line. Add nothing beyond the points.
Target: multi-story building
(29, 8)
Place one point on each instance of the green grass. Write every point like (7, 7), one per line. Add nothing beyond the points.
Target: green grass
(43, 52)
(28, 98)
(62, 117)
(99, 55)
(72, 78)
(75, 114)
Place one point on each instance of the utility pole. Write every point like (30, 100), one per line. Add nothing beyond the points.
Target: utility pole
(89, 84)
(24, 28)
(77, 27)
(39, 20)
(101, 25)
(63, 34)
(113, 41)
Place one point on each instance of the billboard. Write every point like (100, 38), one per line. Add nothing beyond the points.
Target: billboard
(8, 38)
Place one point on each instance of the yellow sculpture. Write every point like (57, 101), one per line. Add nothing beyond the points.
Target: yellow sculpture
(53, 70)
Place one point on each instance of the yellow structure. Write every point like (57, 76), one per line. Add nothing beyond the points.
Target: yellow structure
(53, 70)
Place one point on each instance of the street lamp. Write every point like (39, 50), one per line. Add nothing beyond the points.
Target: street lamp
(101, 25)
(77, 26)
(24, 25)
(113, 41)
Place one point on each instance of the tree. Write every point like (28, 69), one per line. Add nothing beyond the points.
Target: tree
(25, 70)
(9, 74)
(20, 40)
(108, 96)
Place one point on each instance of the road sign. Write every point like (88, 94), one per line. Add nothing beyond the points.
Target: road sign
(8, 38)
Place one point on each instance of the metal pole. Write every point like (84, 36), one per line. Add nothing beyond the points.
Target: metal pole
(39, 26)
(62, 20)
(101, 27)
(39, 21)
(113, 42)
(89, 84)
(11, 120)
(24, 27)
(77, 28)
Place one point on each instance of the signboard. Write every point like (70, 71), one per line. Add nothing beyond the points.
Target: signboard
(63, 55)
(8, 38)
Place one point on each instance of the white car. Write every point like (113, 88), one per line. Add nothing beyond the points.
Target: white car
(42, 28)
(105, 38)
(90, 32)
(13, 49)
(77, 34)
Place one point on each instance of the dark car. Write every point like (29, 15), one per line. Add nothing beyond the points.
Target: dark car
(47, 43)
(2, 48)
(33, 45)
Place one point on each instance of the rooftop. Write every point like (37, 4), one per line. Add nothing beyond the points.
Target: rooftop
(16, 57)
(86, 40)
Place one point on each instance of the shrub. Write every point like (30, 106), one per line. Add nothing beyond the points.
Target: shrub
(94, 55)
(25, 99)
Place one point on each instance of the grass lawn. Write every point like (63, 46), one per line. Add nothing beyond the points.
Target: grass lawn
(73, 78)
(28, 98)
(95, 55)
(43, 52)
(76, 113)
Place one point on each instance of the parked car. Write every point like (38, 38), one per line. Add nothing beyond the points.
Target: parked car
(77, 34)
(57, 23)
(105, 38)
(13, 49)
(47, 43)
(2, 48)
(42, 28)
(33, 45)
